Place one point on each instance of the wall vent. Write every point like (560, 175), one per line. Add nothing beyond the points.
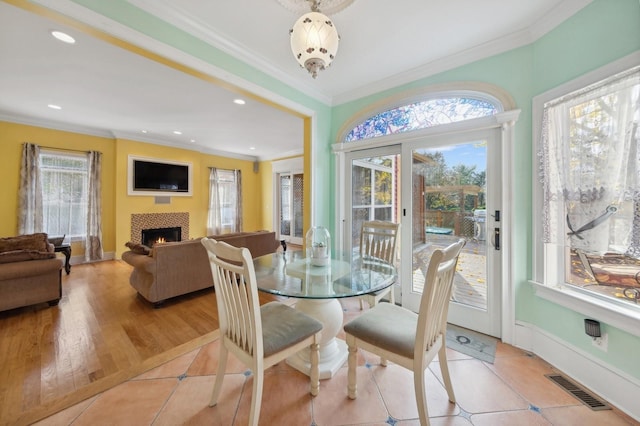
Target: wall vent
(581, 394)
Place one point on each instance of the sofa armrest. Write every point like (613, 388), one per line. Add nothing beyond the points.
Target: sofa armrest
(140, 261)
(29, 268)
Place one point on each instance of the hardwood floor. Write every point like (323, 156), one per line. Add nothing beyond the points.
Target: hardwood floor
(101, 334)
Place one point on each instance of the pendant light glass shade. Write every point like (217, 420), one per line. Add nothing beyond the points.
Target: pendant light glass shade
(314, 42)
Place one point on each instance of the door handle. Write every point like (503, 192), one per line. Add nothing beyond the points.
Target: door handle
(496, 238)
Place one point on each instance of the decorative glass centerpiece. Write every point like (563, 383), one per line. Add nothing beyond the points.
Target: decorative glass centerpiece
(318, 242)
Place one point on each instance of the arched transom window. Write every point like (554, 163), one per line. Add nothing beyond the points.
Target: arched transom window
(420, 115)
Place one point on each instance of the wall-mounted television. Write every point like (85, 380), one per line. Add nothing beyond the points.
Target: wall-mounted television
(149, 176)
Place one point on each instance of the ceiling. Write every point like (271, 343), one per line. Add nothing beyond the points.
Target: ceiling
(106, 90)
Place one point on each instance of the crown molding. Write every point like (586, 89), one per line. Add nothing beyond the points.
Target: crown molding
(287, 154)
(11, 117)
(556, 16)
(136, 137)
(108, 134)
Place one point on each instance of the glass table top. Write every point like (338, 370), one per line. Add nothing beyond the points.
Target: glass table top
(290, 274)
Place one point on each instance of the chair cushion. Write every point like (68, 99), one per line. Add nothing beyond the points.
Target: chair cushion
(387, 326)
(284, 326)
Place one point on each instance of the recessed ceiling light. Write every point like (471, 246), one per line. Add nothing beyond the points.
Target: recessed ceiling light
(52, 106)
(193, 140)
(252, 148)
(177, 132)
(144, 131)
(64, 37)
(239, 101)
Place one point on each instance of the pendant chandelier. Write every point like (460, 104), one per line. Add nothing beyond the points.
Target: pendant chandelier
(314, 40)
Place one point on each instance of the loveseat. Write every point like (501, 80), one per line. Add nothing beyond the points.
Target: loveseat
(30, 272)
(172, 269)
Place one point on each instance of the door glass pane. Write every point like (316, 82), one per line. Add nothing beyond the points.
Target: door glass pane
(361, 184)
(384, 213)
(285, 205)
(298, 181)
(449, 202)
(358, 216)
(374, 192)
(384, 191)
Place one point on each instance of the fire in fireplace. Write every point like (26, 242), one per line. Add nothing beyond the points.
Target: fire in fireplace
(150, 237)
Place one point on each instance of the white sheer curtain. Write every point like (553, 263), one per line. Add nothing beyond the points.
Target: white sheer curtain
(93, 243)
(590, 166)
(225, 201)
(30, 192)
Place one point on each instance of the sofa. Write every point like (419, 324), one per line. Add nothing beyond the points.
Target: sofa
(259, 243)
(175, 268)
(30, 272)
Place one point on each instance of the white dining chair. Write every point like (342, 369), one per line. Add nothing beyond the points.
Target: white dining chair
(378, 240)
(259, 336)
(408, 339)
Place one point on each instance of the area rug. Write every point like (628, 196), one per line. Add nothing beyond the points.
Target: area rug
(471, 343)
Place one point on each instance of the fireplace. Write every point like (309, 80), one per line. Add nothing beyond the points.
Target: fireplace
(161, 235)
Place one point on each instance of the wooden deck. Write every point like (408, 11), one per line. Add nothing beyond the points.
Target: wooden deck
(470, 286)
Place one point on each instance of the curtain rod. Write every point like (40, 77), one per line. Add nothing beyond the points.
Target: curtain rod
(62, 149)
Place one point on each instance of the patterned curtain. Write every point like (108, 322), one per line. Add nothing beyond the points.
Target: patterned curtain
(214, 222)
(93, 245)
(238, 215)
(30, 193)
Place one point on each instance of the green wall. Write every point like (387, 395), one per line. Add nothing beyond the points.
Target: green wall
(602, 32)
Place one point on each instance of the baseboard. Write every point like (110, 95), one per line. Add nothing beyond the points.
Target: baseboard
(79, 260)
(610, 383)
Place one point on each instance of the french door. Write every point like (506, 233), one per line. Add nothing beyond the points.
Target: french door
(453, 191)
(290, 206)
(374, 186)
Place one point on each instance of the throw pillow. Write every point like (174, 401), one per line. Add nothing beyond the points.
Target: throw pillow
(138, 248)
(37, 242)
(22, 255)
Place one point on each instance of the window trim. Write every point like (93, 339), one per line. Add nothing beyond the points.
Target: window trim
(547, 287)
(69, 154)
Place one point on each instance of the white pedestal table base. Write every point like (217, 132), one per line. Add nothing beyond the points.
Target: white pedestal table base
(333, 351)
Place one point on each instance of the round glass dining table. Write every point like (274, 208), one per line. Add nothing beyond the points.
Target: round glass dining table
(318, 289)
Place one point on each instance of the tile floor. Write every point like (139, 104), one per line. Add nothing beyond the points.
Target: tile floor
(512, 391)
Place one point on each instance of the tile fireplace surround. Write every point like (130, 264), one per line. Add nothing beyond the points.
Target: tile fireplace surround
(140, 221)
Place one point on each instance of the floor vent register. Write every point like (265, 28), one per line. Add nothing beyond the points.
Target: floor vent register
(580, 393)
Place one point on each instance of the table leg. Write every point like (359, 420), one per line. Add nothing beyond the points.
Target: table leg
(333, 351)
(67, 257)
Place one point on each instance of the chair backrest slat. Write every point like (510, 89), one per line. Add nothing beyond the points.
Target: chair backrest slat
(434, 304)
(236, 294)
(378, 239)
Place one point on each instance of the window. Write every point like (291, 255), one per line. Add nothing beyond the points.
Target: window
(225, 202)
(420, 115)
(64, 194)
(589, 190)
